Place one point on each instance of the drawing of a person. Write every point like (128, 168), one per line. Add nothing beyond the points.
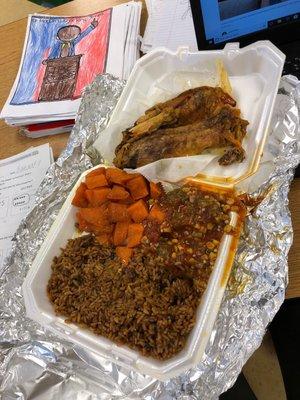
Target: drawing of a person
(67, 38)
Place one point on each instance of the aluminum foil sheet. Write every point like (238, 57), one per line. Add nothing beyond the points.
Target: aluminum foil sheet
(38, 365)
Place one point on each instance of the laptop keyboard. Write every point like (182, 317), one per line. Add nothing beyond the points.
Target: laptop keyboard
(292, 67)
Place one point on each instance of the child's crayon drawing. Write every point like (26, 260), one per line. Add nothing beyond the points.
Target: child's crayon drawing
(62, 55)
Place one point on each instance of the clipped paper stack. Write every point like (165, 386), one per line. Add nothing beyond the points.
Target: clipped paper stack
(62, 55)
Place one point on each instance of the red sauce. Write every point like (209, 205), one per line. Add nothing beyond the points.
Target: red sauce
(189, 238)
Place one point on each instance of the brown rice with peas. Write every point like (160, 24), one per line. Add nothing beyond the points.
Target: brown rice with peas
(150, 304)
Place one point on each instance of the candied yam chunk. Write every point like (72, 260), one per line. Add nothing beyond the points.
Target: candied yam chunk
(157, 213)
(80, 200)
(104, 239)
(138, 187)
(134, 235)
(85, 226)
(118, 212)
(138, 211)
(155, 190)
(96, 181)
(82, 224)
(124, 253)
(120, 233)
(94, 215)
(129, 200)
(96, 197)
(100, 230)
(98, 171)
(118, 193)
(115, 175)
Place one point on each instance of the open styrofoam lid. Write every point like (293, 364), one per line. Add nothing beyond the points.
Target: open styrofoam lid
(254, 73)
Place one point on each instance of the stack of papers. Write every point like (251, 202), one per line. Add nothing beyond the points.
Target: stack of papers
(170, 24)
(20, 176)
(48, 128)
(62, 55)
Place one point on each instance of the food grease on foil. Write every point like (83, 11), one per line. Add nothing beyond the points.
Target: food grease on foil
(38, 365)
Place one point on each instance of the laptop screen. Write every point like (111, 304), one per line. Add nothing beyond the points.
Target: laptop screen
(225, 20)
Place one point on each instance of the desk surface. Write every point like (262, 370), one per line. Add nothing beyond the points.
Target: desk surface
(12, 38)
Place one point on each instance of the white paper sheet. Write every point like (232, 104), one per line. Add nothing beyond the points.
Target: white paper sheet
(20, 177)
(170, 25)
(119, 25)
(132, 49)
(150, 26)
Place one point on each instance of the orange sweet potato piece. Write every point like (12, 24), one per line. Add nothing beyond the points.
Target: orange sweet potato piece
(120, 233)
(138, 211)
(97, 197)
(127, 201)
(155, 190)
(134, 235)
(85, 226)
(118, 193)
(124, 253)
(104, 238)
(115, 175)
(82, 224)
(100, 230)
(138, 187)
(157, 213)
(94, 215)
(96, 181)
(80, 200)
(98, 171)
(118, 212)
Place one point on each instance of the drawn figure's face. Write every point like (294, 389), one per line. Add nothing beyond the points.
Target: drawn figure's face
(68, 33)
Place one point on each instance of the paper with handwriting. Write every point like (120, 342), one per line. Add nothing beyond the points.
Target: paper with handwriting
(20, 177)
(170, 24)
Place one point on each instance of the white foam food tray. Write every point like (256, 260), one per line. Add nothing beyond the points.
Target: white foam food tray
(39, 308)
(254, 73)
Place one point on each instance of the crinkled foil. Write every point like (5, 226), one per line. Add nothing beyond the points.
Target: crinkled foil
(38, 365)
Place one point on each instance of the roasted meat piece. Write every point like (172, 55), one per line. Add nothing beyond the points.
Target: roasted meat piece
(190, 106)
(196, 120)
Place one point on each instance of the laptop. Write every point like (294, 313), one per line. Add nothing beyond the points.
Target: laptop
(245, 21)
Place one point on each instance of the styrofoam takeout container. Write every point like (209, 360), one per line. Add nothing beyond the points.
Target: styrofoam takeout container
(254, 74)
(39, 308)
